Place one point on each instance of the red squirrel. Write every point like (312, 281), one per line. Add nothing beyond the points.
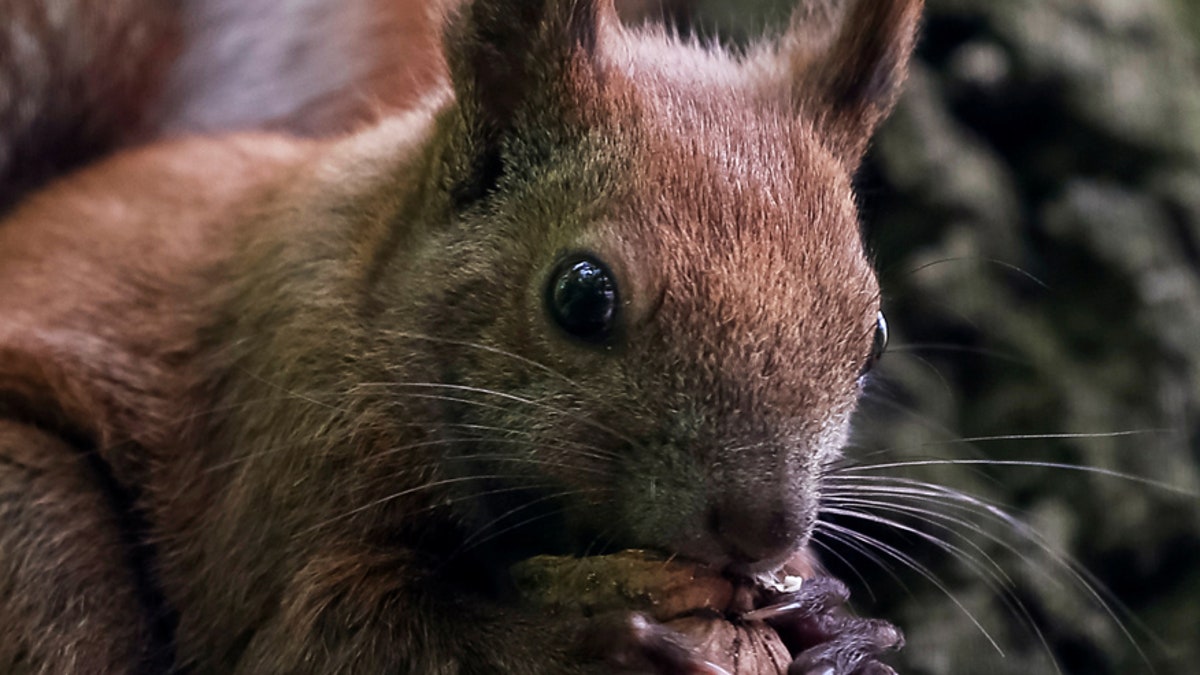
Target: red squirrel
(293, 400)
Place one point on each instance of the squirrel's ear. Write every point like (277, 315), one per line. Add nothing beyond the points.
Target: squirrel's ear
(847, 74)
(509, 57)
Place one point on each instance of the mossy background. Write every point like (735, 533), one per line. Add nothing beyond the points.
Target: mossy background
(1034, 209)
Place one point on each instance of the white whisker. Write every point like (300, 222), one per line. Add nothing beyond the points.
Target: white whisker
(1109, 473)
(916, 566)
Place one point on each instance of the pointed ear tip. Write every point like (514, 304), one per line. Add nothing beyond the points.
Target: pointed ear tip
(866, 70)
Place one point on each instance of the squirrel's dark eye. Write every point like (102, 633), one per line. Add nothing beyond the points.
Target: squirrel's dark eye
(879, 346)
(582, 299)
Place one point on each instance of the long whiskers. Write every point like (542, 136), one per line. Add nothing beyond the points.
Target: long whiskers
(983, 564)
(487, 348)
(984, 259)
(865, 552)
(1108, 473)
(913, 564)
(852, 488)
(476, 541)
(507, 397)
(400, 494)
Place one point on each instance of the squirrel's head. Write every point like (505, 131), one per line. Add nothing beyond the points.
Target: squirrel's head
(643, 297)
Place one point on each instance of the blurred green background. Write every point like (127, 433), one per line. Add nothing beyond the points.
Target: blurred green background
(1034, 209)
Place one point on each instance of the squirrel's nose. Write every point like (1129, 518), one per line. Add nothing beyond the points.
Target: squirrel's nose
(753, 532)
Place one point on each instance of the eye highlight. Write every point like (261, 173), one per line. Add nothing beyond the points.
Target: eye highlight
(582, 299)
(878, 345)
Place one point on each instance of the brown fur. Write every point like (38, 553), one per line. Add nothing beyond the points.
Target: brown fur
(322, 376)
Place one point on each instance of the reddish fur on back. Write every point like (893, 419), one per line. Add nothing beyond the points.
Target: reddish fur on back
(102, 284)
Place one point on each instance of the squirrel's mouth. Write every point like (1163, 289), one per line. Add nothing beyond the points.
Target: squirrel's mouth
(764, 568)
(714, 550)
(666, 587)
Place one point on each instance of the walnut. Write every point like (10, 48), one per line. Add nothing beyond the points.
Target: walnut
(693, 600)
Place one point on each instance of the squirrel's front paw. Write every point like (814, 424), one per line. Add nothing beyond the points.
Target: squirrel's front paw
(823, 638)
(632, 642)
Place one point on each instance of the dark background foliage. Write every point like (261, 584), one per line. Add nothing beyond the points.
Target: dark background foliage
(1034, 209)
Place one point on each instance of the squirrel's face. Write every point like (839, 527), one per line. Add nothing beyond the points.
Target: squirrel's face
(651, 302)
(668, 333)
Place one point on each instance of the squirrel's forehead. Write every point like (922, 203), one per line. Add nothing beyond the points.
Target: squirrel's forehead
(730, 191)
(733, 148)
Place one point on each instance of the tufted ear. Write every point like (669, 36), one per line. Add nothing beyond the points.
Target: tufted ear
(522, 63)
(847, 73)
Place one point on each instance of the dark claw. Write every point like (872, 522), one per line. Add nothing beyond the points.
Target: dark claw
(633, 642)
(816, 596)
(824, 639)
(851, 649)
